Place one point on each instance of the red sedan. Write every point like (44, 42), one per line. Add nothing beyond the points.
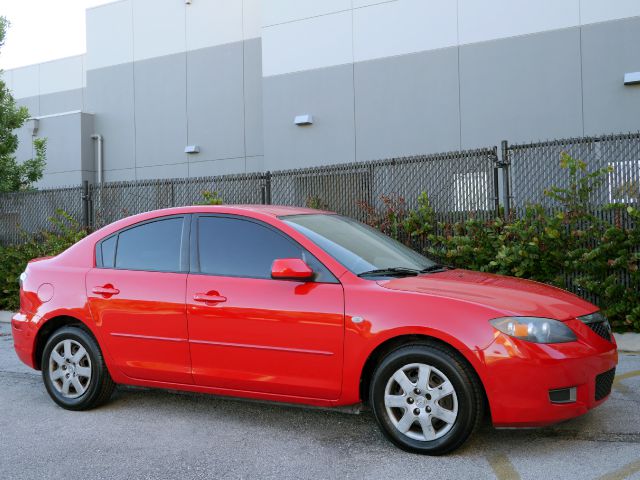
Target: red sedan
(310, 307)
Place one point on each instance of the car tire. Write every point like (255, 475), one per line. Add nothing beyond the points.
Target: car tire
(426, 398)
(74, 371)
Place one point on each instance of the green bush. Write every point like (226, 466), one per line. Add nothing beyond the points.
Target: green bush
(64, 232)
(572, 247)
(211, 198)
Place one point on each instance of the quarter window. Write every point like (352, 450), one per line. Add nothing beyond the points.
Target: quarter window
(241, 248)
(108, 251)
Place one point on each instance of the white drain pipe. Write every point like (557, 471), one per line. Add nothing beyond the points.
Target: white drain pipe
(98, 137)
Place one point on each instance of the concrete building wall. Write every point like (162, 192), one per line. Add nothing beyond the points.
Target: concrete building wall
(382, 78)
(177, 75)
(434, 75)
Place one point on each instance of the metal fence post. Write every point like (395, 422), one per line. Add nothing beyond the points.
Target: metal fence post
(496, 180)
(266, 189)
(506, 177)
(85, 204)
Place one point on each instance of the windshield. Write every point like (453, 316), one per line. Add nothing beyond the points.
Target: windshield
(357, 246)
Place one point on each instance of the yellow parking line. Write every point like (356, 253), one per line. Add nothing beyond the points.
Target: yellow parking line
(502, 467)
(619, 378)
(622, 473)
(624, 376)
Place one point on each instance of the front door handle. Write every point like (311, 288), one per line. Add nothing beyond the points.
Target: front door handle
(209, 298)
(106, 291)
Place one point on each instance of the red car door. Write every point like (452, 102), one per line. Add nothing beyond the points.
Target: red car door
(253, 333)
(136, 296)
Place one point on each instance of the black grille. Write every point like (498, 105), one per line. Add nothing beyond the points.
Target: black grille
(604, 382)
(601, 328)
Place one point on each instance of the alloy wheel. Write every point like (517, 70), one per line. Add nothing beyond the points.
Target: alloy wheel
(421, 402)
(70, 368)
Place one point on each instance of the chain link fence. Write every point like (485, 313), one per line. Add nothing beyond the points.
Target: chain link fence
(24, 213)
(536, 166)
(113, 201)
(459, 185)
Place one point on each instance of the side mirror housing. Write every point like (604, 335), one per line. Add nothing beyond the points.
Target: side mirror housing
(291, 269)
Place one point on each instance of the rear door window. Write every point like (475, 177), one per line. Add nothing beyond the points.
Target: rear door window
(154, 246)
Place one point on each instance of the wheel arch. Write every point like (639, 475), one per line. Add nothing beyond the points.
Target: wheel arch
(48, 328)
(395, 342)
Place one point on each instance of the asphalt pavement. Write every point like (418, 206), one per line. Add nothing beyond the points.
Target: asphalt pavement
(153, 434)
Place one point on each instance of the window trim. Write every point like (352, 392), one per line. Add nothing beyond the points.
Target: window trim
(184, 245)
(195, 249)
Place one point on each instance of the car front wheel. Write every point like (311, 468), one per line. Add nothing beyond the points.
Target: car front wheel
(426, 399)
(74, 371)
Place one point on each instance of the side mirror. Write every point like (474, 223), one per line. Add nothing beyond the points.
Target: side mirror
(291, 269)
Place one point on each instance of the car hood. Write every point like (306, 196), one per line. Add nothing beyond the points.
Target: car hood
(508, 295)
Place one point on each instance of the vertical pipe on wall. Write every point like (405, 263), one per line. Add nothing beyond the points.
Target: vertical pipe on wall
(98, 137)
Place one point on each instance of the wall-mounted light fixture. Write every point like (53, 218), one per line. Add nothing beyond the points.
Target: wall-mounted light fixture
(632, 78)
(191, 149)
(187, 2)
(302, 120)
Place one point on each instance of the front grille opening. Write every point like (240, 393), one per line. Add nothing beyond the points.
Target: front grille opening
(601, 328)
(604, 382)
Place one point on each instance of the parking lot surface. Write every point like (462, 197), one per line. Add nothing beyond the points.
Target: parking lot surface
(155, 434)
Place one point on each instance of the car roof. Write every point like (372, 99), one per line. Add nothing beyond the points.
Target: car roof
(269, 210)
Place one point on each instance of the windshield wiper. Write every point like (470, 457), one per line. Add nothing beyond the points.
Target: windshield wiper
(392, 271)
(434, 268)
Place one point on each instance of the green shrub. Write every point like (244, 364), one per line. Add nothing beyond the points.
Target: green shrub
(64, 232)
(211, 198)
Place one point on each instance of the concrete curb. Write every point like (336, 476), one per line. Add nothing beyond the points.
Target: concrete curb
(627, 342)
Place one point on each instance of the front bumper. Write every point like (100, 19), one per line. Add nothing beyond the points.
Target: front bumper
(519, 376)
(24, 336)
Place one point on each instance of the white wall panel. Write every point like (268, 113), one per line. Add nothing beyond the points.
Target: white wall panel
(593, 11)
(213, 22)
(60, 75)
(252, 18)
(308, 44)
(281, 11)
(366, 3)
(492, 19)
(109, 35)
(26, 81)
(404, 26)
(158, 28)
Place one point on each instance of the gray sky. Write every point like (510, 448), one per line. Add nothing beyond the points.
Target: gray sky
(43, 30)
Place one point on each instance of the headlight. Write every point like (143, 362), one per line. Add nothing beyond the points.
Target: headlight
(22, 278)
(534, 329)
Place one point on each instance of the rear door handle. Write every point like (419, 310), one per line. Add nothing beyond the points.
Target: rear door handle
(106, 291)
(209, 298)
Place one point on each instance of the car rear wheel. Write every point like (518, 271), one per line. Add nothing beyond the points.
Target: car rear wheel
(426, 399)
(74, 371)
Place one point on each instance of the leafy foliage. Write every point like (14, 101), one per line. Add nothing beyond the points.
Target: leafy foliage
(64, 232)
(15, 176)
(593, 253)
(211, 198)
